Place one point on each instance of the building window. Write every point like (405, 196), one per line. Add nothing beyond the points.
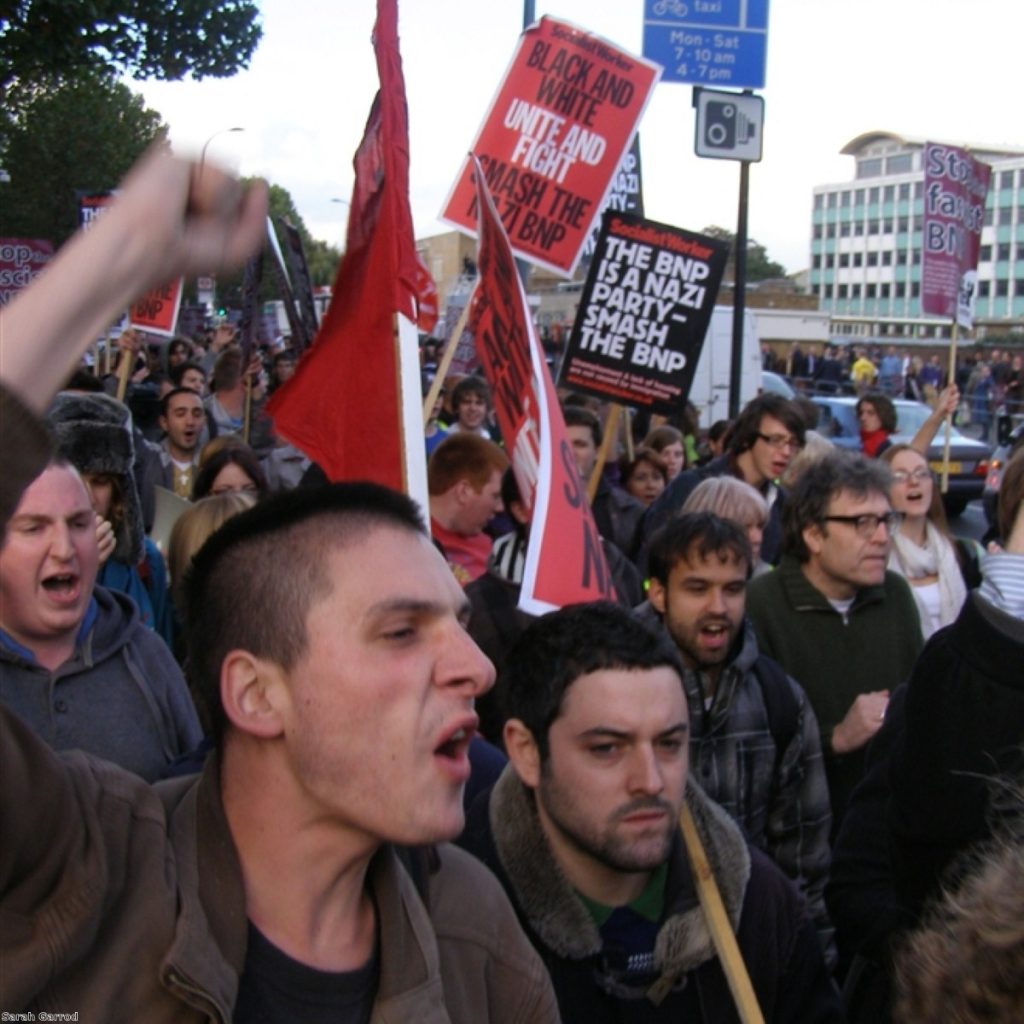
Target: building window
(855, 291)
(890, 193)
(985, 254)
(830, 262)
(858, 228)
(819, 201)
(883, 290)
(830, 231)
(901, 258)
(870, 292)
(844, 198)
(873, 194)
(869, 168)
(887, 258)
(902, 223)
(858, 197)
(905, 190)
(844, 230)
(844, 259)
(900, 163)
(816, 263)
(1006, 179)
(830, 199)
(1018, 286)
(887, 226)
(1002, 288)
(872, 227)
(858, 259)
(915, 256)
(1005, 215)
(842, 291)
(1003, 251)
(918, 189)
(988, 217)
(983, 289)
(915, 289)
(872, 259)
(901, 290)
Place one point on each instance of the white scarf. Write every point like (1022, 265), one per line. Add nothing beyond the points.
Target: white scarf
(936, 558)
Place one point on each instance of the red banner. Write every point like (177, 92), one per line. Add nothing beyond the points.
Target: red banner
(553, 139)
(565, 562)
(955, 187)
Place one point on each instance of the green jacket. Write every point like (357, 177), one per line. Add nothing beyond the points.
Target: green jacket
(832, 659)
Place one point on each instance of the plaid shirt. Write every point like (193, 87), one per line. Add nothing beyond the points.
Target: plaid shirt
(779, 798)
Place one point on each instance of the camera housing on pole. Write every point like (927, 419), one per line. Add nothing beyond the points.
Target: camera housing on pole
(730, 125)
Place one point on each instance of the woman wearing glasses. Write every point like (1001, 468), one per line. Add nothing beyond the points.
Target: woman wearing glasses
(939, 567)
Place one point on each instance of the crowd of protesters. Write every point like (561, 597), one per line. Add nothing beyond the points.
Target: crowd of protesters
(803, 662)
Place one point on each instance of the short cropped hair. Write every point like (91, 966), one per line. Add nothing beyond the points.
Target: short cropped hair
(747, 428)
(556, 649)
(578, 416)
(822, 481)
(252, 584)
(659, 438)
(173, 393)
(882, 405)
(470, 386)
(702, 532)
(463, 456)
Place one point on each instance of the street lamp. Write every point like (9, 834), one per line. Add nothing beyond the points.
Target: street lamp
(223, 131)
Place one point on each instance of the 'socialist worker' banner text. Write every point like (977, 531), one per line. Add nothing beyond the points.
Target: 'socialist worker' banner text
(553, 139)
(644, 312)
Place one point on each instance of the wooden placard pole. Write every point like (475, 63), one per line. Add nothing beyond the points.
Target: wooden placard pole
(611, 425)
(446, 360)
(718, 924)
(944, 481)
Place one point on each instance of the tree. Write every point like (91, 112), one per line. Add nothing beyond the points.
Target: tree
(321, 258)
(759, 266)
(82, 134)
(51, 39)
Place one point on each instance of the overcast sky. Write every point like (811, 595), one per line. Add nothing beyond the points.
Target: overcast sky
(942, 69)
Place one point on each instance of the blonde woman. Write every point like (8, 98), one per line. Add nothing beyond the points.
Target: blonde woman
(731, 498)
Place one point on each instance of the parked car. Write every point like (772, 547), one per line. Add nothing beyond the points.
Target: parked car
(968, 458)
(1000, 457)
(776, 384)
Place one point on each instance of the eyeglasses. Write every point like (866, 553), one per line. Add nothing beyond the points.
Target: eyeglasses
(867, 524)
(901, 476)
(781, 442)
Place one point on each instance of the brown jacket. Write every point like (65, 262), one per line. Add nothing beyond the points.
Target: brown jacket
(123, 902)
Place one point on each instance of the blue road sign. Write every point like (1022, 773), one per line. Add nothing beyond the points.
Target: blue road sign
(708, 42)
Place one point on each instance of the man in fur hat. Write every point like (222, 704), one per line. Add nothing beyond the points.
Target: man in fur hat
(582, 831)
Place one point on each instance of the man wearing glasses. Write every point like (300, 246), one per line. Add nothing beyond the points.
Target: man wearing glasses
(832, 615)
(765, 437)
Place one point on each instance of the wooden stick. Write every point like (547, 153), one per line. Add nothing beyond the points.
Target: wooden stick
(944, 481)
(611, 425)
(718, 923)
(247, 410)
(124, 371)
(446, 360)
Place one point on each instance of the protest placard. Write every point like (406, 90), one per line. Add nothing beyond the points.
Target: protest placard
(553, 139)
(21, 260)
(643, 313)
(955, 187)
(157, 310)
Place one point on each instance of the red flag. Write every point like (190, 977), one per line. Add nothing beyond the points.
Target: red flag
(565, 561)
(343, 407)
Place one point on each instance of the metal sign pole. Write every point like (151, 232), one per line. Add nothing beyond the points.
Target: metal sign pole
(739, 303)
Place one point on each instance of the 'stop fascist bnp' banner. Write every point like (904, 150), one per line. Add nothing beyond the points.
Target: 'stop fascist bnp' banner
(955, 187)
(644, 312)
(553, 139)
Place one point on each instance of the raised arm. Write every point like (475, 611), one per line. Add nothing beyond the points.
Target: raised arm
(949, 399)
(172, 217)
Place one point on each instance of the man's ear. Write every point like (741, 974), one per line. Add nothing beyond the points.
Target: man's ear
(253, 692)
(522, 751)
(813, 538)
(656, 595)
(161, 422)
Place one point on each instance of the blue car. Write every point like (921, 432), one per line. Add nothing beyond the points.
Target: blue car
(968, 458)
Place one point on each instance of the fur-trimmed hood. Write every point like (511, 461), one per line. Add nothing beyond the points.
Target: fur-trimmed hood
(94, 434)
(558, 916)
